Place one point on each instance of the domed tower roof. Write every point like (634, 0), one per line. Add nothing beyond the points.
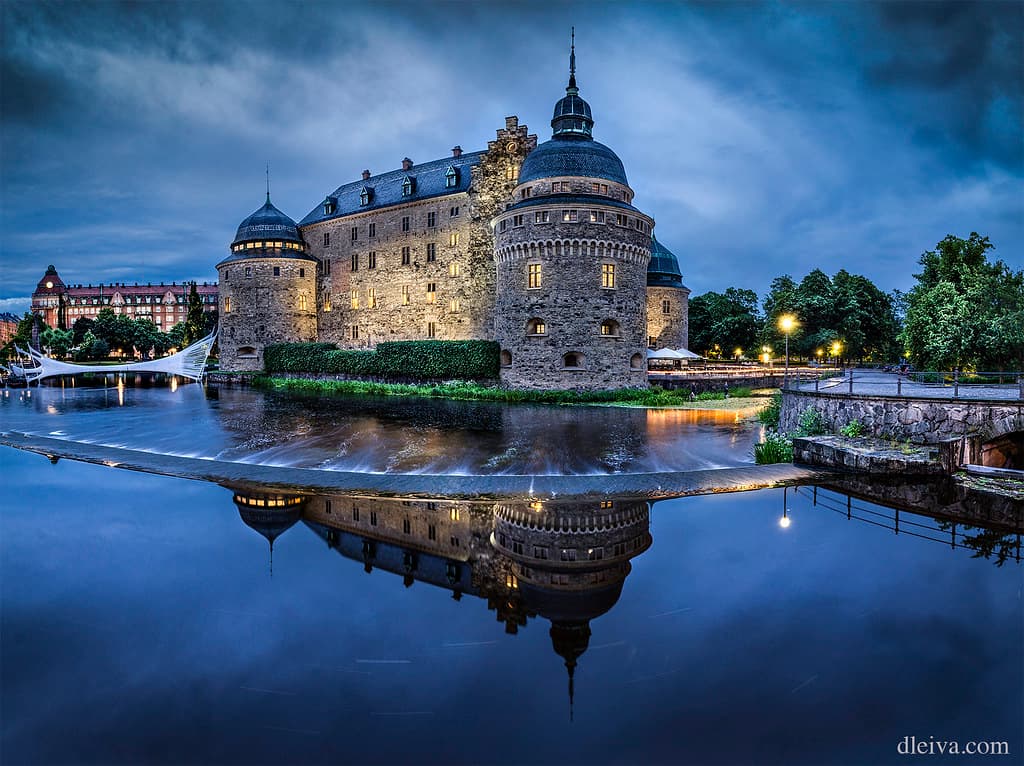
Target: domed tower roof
(663, 270)
(267, 223)
(572, 151)
(51, 282)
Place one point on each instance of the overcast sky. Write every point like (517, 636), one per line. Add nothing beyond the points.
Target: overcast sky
(763, 138)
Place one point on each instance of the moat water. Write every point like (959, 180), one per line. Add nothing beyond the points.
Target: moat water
(153, 619)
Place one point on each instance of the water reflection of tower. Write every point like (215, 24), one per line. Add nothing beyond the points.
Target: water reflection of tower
(270, 514)
(570, 561)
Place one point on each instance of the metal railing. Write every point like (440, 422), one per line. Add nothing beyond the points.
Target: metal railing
(1005, 385)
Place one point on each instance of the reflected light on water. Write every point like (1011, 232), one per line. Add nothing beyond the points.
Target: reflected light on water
(784, 522)
(174, 383)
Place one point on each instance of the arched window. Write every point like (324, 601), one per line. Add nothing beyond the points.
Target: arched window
(506, 359)
(536, 326)
(247, 352)
(636, 362)
(573, 360)
(610, 328)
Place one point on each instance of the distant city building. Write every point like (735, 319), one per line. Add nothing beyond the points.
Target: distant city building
(538, 247)
(165, 304)
(8, 327)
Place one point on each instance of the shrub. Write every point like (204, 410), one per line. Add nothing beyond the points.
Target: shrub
(776, 448)
(296, 357)
(770, 415)
(419, 360)
(853, 428)
(811, 423)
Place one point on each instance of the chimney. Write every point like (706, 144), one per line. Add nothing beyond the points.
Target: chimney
(366, 175)
(406, 164)
(511, 122)
(456, 151)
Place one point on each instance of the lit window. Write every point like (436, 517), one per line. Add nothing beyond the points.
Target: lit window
(405, 223)
(354, 298)
(371, 297)
(453, 240)
(610, 327)
(597, 216)
(431, 220)
(533, 274)
(451, 177)
(327, 302)
(371, 260)
(536, 327)
(453, 268)
(541, 216)
(621, 220)
(455, 305)
(666, 307)
(431, 329)
(406, 256)
(227, 304)
(431, 292)
(405, 295)
(569, 215)
(303, 303)
(431, 252)
(607, 275)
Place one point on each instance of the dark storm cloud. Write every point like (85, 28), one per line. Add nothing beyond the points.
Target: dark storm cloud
(769, 138)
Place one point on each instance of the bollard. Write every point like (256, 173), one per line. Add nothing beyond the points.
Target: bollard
(899, 385)
(851, 380)
(816, 382)
(956, 383)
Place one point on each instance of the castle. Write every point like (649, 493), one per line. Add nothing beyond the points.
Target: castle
(537, 247)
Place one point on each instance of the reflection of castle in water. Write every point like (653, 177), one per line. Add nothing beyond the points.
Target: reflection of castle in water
(564, 562)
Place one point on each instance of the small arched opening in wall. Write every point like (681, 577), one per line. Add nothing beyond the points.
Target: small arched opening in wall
(573, 360)
(536, 326)
(506, 358)
(1006, 451)
(636, 362)
(247, 352)
(611, 329)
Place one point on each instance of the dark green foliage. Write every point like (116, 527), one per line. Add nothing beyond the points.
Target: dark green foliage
(195, 322)
(811, 423)
(416, 360)
(853, 428)
(770, 415)
(81, 326)
(776, 448)
(723, 322)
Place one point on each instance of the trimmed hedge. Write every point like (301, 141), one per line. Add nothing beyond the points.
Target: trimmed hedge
(415, 359)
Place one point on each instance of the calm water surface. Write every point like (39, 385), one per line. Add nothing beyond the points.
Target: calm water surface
(148, 619)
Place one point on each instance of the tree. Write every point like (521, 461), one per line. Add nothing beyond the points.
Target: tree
(965, 311)
(116, 330)
(195, 323)
(145, 335)
(57, 342)
(722, 322)
(22, 336)
(81, 326)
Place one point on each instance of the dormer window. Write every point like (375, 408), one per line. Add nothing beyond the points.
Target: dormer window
(330, 206)
(451, 177)
(408, 186)
(365, 195)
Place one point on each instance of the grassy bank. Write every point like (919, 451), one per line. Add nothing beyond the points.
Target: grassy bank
(640, 397)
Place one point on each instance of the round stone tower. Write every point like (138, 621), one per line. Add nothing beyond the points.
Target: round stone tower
(571, 254)
(267, 290)
(668, 300)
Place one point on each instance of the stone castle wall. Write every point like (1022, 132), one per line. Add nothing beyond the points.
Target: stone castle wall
(668, 329)
(450, 295)
(258, 308)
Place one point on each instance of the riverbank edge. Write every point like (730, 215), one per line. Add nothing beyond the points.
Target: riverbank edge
(650, 486)
(653, 397)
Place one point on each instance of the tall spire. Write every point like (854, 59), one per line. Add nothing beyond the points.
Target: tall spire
(268, 183)
(572, 60)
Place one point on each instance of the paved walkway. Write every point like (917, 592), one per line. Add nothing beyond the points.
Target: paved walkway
(873, 382)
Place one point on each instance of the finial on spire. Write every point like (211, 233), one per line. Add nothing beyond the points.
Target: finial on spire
(268, 182)
(572, 58)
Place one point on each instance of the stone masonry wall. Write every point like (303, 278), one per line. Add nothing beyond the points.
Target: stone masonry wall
(264, 308)
(461, 304)
(922, 421)
(671, 329)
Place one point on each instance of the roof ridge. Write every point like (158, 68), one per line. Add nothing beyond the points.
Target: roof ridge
(402, 173)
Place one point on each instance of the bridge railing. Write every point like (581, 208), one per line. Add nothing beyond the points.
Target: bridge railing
(951, 384)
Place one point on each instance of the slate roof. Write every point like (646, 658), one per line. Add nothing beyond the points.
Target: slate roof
(663, 270)
(581, 157)
(430, 181)
(267, 223)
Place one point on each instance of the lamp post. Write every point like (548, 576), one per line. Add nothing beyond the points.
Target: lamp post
(786, 323)
(836, 347)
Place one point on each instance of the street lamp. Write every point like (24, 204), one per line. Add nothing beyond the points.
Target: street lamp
(738, 353)
(786, 323)
(835, 351)
(819, 352)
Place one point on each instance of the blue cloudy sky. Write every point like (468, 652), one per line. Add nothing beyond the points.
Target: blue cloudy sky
(763, 138)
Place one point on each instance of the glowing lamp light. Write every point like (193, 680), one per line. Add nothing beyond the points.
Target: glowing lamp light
(787, 322)
(785, 521)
